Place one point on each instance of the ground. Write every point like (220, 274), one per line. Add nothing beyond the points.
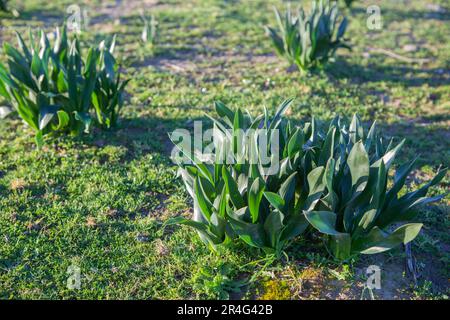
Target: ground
(98, 202)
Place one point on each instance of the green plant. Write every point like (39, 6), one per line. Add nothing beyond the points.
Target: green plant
(149, 31)
(309, 41)
(235, 196)
(49, 86)
(357, 210)
(53, 88)
(107, 97)
(217, 283)
(335, 179)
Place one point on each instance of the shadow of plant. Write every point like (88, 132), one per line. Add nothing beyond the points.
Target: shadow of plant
(405, 75)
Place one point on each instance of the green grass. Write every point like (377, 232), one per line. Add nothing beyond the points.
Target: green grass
(99, 202)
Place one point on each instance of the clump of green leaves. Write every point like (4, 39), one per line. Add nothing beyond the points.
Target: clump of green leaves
(241, 194)
(357, 211)
(108, 94)
(309, 40)
(54, 88)
(332, 177)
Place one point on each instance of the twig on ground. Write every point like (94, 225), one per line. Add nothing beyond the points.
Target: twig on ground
(397, 56)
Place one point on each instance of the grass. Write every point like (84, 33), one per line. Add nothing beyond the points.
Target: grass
(99, 202)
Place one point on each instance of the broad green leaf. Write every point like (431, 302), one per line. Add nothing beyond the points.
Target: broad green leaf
(331, 199)
(224, 112)
(316, 188)
(358, 163)
(287, 192)
(202, 200)
(389, 157)
(275, 200)
(254, 198)
(46, 115)
(324, 221)
(379, 241)
(200, 227)
(370, 136)
(232, 189)
(368, 218)
(356, 129)
(328, 147)
(36, 65)
(252, 234)
(281, 110)
(342, 28)
(63, 119)
(296, 142)
(23, 47)
(273, 227)
(4, 91)
(181, 220)
(15, 55)
(340, 245)
(276, 40)
(399, 180)
(295, 225)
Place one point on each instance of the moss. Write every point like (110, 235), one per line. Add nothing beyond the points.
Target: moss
(275, 289)
(310, 273)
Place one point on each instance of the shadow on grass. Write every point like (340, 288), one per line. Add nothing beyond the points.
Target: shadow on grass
(441, 14)
(49, 18)
(143, 135)
(406, 75)
(3, 189)
(430, 144)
